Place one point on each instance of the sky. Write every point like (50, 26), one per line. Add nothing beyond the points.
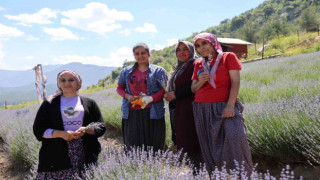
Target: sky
(101, 32)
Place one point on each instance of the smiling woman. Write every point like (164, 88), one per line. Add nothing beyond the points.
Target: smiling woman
(142, 108)
(218, 113)
(62, 125)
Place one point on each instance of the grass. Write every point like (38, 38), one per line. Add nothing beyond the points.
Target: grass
(281, 46)
(21, 105)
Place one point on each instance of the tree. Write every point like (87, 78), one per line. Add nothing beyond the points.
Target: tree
(309, 19)
(267, 10)
(249, 31)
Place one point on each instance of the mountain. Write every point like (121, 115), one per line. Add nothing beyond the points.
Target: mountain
(18, 86)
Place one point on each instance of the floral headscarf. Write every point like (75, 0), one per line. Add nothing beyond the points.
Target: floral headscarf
(59, 92)
(211, 38)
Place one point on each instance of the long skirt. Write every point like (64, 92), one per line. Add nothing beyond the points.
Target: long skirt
(141, 131)
(76, 155)
(222, 140)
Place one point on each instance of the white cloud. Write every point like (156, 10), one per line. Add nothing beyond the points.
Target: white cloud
(122, 54)
(1, 8)
(172, 41)
(29, 57)
(158, 47)
(2, 54)
(116, 58)
(126, 32)
(6, 31)
(95, 17)
(60, 34)
(147, 27)
(32, 38)
(43, 16)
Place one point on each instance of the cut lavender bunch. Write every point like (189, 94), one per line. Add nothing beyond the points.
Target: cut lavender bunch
(93, 125)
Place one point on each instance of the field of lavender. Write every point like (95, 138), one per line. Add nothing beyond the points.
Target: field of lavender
(282, 109)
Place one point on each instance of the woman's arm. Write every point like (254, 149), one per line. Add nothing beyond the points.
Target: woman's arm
(197, 84)
(235, 85)
(40, 124)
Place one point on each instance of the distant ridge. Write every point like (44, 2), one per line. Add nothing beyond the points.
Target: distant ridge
(18, 86)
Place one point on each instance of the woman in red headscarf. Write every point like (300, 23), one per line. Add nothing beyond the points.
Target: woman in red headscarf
(217, 111)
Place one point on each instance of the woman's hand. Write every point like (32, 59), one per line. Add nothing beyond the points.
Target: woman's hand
(77, 135)
(66, 135)
(228, 112)
(169, 96)
(204, 77)
(129, 97)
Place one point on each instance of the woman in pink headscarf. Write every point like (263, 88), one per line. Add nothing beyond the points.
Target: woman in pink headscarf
(217, 111)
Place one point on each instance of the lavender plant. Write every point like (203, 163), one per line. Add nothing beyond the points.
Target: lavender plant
(138, 165)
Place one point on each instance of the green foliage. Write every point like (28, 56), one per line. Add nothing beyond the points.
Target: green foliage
(274, 20)
(19, 106)
(309, 19)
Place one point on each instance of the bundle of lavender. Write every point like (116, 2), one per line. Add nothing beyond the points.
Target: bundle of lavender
(93, 125)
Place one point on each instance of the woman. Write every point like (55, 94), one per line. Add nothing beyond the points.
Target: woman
(217, 111)
(141, 87)
(180, 99)
(59, 124)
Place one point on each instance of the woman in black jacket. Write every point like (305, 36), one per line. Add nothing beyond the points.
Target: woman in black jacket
(68, 125)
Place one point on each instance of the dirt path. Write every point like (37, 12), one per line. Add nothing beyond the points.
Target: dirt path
(8, 170)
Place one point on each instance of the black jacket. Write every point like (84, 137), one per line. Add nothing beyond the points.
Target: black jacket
(53, 155)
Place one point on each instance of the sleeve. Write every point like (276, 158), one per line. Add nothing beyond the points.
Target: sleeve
(48, 133)
(40, 124)
(195, 71)
(232, 62)
(185, 91)
(97, 117)
(121, 90)
(163, 78)
(159, 95)
(122, 80)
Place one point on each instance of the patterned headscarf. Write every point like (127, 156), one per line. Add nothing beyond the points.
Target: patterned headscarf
(59, 92)
(181, 66)
(211, 38)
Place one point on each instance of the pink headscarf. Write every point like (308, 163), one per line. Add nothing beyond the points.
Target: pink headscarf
(59, 92)
(211, 38)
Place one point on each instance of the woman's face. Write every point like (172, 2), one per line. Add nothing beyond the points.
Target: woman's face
(182, 52)
(204, 48)
(68, 83)
(141, 55)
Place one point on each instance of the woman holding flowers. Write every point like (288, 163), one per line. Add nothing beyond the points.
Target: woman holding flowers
(68, 125)
(217, 111)
(141, 87)
(180, 99)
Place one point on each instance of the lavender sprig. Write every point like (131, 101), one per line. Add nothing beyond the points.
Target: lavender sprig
(93, 125)
(163, 84)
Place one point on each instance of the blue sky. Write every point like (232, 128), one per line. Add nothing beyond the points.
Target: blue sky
(101, 32)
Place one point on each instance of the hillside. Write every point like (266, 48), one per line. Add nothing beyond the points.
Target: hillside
(272, 20)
